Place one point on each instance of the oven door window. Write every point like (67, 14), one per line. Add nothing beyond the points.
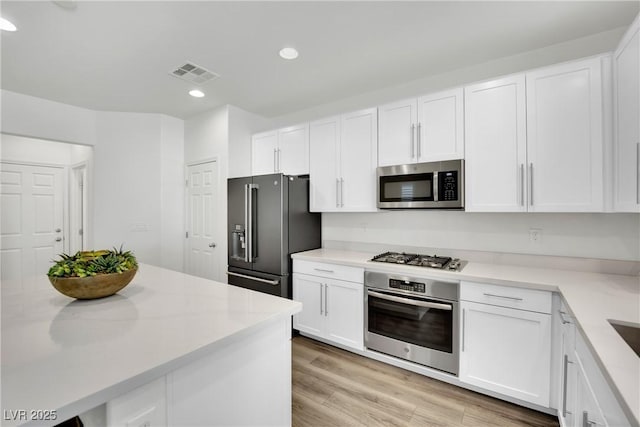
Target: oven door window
(407, 188)
(423, 322)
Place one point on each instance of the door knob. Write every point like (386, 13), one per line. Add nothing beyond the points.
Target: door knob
(212, 245)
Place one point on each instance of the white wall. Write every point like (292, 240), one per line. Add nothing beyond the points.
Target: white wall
(172, 193)
(40, 118)
(579, 48)
(605, 236)
(31, 150)
(242, 125)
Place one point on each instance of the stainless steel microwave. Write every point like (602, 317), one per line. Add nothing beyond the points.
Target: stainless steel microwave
(432, 185)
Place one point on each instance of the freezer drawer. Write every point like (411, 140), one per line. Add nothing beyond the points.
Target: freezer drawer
(261, 282)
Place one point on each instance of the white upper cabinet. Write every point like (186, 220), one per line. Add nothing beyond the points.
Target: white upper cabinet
(441, 126)
(626, 66)
(343, 161)
(565, 138)
(534, 141)
(429, 128)
(496, 145)
(283, 151)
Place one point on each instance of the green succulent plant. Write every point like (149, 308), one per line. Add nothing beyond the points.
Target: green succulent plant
(91, 263)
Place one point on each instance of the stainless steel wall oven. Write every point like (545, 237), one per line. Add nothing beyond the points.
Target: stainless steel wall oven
(413, 318)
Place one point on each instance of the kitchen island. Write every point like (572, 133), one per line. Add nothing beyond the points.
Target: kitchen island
(168, 349)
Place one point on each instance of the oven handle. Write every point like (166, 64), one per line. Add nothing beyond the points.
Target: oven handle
(410, 301)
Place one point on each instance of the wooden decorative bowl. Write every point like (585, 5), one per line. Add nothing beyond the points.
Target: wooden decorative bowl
(98, 286)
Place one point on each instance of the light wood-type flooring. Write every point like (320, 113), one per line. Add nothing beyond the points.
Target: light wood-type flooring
(333, 387)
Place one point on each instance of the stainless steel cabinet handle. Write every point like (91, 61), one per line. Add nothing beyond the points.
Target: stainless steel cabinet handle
(564, 385)
(58, 230)
(324, 271)
(326, 301)
(279, 159)
(257, 279)
(321, 311)
(502, 296)
(408, 301)
(521, 184)
(585, 420)
(562, 318)
(413, 130)
(275, 161)
(464, 312)
(418, 140)
(341, 192)
(530, 184)
(638, 173)
(58, 239)
(337, 193)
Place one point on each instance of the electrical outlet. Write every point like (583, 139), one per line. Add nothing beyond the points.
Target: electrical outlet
(535, 235)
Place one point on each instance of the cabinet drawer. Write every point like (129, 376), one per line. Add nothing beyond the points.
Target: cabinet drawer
(334, 271)
(506, 296)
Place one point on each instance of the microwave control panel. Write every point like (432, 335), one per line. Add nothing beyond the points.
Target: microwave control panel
(448, 186)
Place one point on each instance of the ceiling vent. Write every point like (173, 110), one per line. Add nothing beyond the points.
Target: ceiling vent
(194, 73)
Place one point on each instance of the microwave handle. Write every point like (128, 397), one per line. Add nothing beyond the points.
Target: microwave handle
(435, 186)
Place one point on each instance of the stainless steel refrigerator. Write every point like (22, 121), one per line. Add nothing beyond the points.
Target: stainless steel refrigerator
(268, 220)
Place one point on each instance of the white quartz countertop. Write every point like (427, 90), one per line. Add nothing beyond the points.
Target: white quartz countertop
(591, 297)
(70, 355)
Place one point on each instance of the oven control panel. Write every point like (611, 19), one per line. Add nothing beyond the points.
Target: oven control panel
(406, 285)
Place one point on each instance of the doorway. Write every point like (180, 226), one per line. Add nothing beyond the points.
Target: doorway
(203, 213)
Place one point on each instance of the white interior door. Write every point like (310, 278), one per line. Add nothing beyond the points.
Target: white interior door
(32, 218)
(202, 214)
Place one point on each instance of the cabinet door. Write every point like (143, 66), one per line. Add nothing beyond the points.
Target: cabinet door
(507, 351)
(495, 146)
(440, 126)
(564, 138)
(358, 160)
(397, 138)
(264, 148)
(587, 411)
(324, 140)
(567, 394)
(293, 150)
(309, 291)
(627, 122)
(344, 313)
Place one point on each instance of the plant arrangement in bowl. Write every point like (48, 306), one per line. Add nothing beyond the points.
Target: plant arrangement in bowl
(93, 274)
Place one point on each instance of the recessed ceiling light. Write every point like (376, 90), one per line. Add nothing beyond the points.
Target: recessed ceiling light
(7, 25)
(288, 53)
(196, 93)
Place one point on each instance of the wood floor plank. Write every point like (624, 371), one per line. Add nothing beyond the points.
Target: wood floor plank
(333, 387)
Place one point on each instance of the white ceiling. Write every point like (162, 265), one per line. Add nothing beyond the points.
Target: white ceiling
(116, 55)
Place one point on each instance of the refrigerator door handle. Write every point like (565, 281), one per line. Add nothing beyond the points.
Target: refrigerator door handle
(247, 246)
(249, 225)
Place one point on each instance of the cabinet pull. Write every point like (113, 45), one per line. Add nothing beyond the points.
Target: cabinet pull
(418, 140)
(326, 302)
(585, 420)
(341, 192)
(275, 160)
(278, 159)
(530, 184)
(337, 193)
(413, 130)
(562, 318)
(464, 312)
(564, 385)
(521, 184)
(321, 312)
(638, 173)
(324, 271)
(503, 296)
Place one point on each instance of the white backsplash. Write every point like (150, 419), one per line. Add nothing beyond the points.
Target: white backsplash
(606, 243)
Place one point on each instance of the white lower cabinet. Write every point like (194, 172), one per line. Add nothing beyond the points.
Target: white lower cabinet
(586, 399)
(145, 406)
(504, 348)
(332, 309)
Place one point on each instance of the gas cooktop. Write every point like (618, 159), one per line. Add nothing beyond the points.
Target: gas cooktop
(418, 260)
